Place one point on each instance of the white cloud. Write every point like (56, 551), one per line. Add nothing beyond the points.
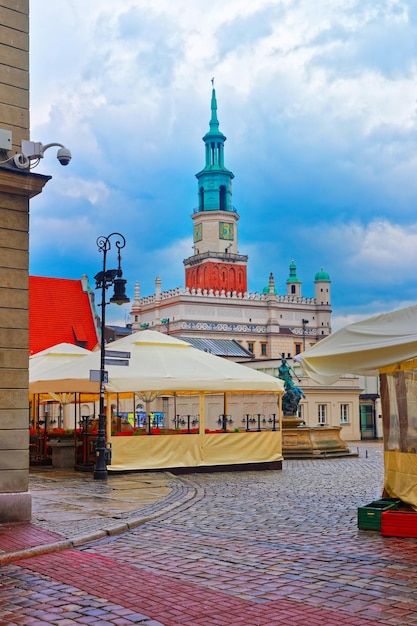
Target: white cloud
(318, 101)
(95, 192)
(379, 251)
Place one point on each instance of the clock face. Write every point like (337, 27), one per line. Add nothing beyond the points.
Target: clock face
(198, 232)
(226, 230)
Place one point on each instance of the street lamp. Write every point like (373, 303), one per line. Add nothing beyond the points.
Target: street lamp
(166, 322)
(304, 323)
(104, 279)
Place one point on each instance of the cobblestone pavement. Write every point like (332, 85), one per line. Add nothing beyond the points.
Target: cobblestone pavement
(72, 504)
(235, 549)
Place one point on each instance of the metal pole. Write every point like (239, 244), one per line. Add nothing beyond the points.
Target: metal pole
(247, 422)
(100, 468)
(304, 323)
(103, 280)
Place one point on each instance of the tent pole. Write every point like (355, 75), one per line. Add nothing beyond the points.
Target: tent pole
(108, 417)
(202, 421)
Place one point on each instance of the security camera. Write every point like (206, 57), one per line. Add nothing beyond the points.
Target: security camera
(64, 156)
(35, 150)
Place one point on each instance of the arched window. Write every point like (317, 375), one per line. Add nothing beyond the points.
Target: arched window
(215, 277)
(223, 279)
(239, 284)
(222, 198)
(232, 279)
(213, 153)
(199, 278)
(292, 288)
(201, 199)
(206, 283)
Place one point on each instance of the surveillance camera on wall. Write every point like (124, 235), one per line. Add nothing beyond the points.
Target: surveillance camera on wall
(34, 151)
(64, 156)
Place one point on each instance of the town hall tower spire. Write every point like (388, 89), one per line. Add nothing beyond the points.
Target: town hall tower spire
(216, 263)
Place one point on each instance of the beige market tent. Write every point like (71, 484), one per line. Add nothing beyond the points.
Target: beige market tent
(159, 364)
(363, 347)
(44, 363)
(386, 345)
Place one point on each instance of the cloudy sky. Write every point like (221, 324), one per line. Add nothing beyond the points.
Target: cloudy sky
(316, 97)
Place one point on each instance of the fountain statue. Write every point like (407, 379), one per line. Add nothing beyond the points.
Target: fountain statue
(301, 441)
(293, 394)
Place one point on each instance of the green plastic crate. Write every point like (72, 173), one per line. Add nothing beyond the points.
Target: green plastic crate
(369, 516)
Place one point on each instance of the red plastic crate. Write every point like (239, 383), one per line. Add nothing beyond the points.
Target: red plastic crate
(399, 523)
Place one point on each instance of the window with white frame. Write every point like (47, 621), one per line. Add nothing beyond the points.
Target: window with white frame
(344, 413)
(322, 413)
(300, 411)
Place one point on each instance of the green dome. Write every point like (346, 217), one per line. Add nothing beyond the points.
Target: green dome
(265, 290)
(322, 276)
(293, 278)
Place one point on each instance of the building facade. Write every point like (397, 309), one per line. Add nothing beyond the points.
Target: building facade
(215, 302)
(16, 188)
(370, 408)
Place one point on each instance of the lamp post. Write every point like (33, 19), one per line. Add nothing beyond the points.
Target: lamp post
(104, 280)
(304, 323)
(166, 322)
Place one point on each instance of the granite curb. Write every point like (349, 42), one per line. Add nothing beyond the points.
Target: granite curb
(185, 500)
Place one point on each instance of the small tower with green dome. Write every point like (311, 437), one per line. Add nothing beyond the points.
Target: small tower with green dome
(322, 287)
(270, 288)
(293, 282)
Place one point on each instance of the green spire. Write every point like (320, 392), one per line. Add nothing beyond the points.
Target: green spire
(214, 180)
(214, 122)
(214, 141)
(292, 278)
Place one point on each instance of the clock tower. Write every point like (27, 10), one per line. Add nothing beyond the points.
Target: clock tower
(216, 264)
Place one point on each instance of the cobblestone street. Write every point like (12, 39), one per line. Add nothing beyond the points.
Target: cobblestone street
(236, 549)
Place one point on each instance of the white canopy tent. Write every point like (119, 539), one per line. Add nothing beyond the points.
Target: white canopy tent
(43, 364)
(386, 345)
(363, 347)
(159, 364)
(48, 360)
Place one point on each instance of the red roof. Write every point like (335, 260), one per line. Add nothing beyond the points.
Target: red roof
(59, 311)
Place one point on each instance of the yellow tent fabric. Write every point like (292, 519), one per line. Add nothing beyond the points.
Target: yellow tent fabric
(196, 450)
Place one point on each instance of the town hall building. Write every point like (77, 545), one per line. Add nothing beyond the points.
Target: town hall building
(214, 304)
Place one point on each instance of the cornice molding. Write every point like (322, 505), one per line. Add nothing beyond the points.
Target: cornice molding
(20, 183)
